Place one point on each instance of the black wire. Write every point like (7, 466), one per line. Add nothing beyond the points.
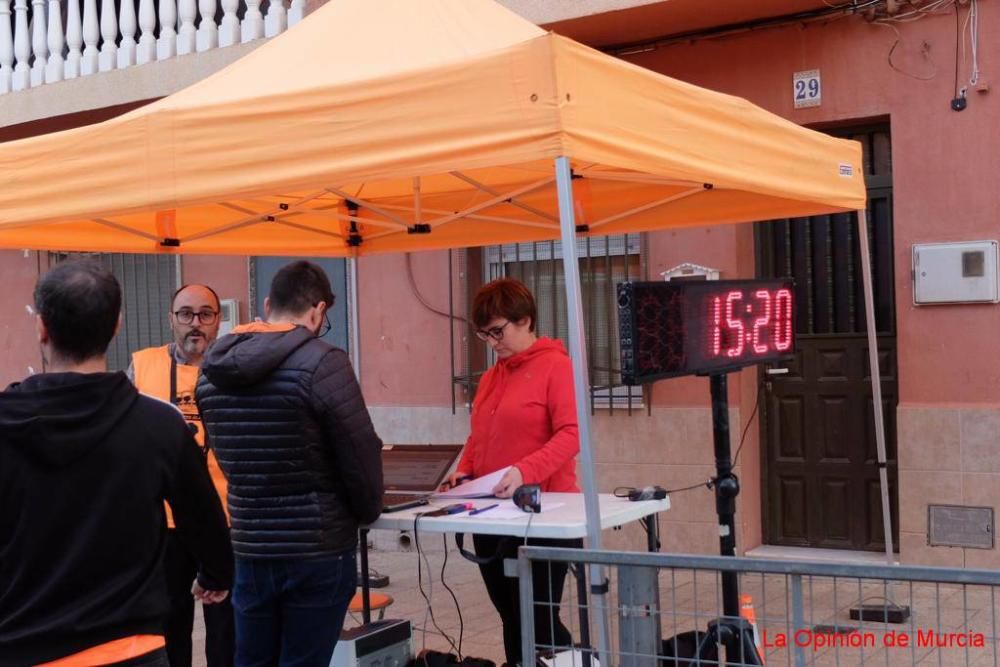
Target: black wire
(623, 491)
(458, 607)
(420, 582)
(756, 404)
(422, 300)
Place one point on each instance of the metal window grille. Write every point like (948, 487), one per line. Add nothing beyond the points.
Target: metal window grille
(148, 282)
(604, 262)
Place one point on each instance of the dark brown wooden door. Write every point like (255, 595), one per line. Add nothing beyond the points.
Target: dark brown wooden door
(821, 481)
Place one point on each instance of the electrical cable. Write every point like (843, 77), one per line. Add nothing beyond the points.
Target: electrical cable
(420, 297)
(958, 41)
(623, 491)
(892, 49)
(458, 607)
(421, 560)
(756, 405)
(972, 24)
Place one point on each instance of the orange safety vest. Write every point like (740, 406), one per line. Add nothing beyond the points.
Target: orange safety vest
(157, 374)
(118, 650)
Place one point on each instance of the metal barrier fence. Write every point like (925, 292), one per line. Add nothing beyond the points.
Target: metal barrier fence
(660, 610)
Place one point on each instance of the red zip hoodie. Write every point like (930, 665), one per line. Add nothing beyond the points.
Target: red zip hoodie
(524, 415)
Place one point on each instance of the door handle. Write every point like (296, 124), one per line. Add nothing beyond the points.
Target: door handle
(776, 371)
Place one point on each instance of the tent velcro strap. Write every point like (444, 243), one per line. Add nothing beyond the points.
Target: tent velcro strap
(581, 229)
(419, 228)
(170, 243)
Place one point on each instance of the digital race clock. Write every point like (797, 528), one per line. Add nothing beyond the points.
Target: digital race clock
(678, 328)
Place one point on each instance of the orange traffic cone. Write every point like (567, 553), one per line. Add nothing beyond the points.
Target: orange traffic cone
(747, 612)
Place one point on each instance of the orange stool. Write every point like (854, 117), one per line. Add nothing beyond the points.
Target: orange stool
(379, 601)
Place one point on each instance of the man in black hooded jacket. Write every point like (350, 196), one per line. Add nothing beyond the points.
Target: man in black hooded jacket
(86, 463)
(283, 412)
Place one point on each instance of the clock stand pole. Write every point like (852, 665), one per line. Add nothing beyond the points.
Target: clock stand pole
(730, 630)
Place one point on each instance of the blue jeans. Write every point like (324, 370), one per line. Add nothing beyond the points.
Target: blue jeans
(289, 612)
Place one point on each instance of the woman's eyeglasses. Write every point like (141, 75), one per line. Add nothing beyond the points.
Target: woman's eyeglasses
(496, 333)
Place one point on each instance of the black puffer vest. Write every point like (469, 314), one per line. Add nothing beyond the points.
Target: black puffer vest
(284, 414)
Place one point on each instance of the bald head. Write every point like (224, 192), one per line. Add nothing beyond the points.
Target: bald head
(194, 320)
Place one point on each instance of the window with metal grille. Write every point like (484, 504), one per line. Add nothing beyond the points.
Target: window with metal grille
(148, 282)
(604, 262)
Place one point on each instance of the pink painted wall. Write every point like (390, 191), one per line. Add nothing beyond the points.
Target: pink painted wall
(18, 341)
(228, 276)
(404, 347)
(944, 163)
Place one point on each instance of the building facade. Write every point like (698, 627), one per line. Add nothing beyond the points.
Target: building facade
(913, 81)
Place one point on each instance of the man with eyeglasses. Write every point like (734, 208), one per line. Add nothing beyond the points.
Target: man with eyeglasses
(285, 414)
(170, 373)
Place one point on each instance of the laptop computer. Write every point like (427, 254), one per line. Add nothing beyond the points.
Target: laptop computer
(412, 473)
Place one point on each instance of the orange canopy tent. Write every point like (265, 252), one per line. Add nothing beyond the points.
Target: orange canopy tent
(399, 125)
(441, 118)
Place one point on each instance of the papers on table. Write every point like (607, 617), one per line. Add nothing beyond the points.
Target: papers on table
(481, 487)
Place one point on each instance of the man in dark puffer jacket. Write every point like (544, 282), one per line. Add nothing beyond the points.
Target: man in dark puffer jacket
(284, 414)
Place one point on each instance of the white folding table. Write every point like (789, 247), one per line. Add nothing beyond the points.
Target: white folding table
(568, 521)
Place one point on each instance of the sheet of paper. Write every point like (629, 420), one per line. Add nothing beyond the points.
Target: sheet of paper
(481, 487)
(509, 510)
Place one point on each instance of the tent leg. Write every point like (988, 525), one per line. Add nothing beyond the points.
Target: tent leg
(876, 377)
(581, 385)
(354, 315)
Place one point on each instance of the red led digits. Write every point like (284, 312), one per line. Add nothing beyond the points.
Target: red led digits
(762, 327)
(762, 322)
(716, 326)
(735, 325)
(783, 320)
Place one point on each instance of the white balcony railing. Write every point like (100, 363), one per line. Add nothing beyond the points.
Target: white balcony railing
(45, 41)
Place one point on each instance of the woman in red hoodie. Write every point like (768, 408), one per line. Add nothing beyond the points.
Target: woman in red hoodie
(523, 416)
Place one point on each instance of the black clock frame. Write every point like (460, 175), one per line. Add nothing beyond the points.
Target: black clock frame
(663, 327)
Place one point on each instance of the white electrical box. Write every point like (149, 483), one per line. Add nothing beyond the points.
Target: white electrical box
(956, 273)
(229, 316)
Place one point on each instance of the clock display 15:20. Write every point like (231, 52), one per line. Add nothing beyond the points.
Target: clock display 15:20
(747, 322)
(675, 328)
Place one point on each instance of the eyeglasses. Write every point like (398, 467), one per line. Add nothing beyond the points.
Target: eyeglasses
(496, 333)
(325, 328)
(186, 316)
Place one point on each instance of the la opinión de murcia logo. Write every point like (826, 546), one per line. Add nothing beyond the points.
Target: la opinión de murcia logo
(818, 641)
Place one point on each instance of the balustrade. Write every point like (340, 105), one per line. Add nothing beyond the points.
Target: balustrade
(46, 41)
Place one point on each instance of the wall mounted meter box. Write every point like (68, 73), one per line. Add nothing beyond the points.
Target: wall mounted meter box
(956, 273)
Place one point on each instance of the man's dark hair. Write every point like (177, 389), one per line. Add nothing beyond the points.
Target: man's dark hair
(299, 286)
(80, 302)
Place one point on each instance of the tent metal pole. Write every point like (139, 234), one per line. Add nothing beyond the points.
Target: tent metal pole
(355, 314)
(876, 378)
(581, 385)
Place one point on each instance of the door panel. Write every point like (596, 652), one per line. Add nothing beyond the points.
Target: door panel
(820, 471)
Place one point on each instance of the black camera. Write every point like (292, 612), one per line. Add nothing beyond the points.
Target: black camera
(529, 498)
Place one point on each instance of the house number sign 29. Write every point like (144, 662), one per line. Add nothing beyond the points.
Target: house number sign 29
(807, 91)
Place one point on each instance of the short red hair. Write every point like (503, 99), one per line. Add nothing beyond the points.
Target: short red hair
(504, 297)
